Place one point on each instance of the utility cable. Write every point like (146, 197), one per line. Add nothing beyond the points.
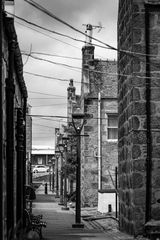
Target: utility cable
(42, 98)
(42, 9)
(59, 56)
(51, 55)
(56, 104)
(36, 124)
(53, 78)
(47, 94)
(52, 62)
(95, 71)
(53, 32)
(61, 117)
(134, 54)
(53, 120)
(47, 35)
(50, 116)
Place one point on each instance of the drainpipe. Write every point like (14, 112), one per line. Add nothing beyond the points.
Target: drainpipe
(99, 143)
(148, 116)
(24, 157)
(1, 128)
(20, 150)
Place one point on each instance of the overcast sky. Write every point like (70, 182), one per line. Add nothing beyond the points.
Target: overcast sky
(48, 96)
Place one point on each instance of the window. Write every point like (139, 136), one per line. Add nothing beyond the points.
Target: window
(112, 127)
(39, 160)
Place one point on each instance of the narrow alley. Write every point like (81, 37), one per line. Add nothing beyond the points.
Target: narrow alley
(80, 119)
(59, 222)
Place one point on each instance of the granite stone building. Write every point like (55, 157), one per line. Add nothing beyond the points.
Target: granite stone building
(99, 155)
(139, 104)
(13, 102)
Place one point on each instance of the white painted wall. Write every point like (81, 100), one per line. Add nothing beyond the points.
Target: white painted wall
(104, 199)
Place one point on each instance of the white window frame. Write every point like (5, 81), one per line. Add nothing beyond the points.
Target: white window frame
(107, 127)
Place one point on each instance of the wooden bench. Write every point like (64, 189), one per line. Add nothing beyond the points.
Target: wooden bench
(34, 223)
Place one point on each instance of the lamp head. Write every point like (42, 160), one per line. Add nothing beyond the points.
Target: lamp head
(61, 147)
(78, 115)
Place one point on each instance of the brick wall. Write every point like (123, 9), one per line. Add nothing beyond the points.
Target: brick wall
(134, 120)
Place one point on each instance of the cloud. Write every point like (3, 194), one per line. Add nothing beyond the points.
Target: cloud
(76, 13)
(72, 11)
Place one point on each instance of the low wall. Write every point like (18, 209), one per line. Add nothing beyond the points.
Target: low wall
(106, 198)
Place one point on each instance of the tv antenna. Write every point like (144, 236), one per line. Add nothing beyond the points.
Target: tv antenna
(89, 31)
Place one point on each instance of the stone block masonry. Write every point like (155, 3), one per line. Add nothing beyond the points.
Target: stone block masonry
(138, 104)
(98, 80)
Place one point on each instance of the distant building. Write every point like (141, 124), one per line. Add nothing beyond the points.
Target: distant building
(42, 156)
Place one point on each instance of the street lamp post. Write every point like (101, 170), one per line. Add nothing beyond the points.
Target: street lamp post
(57, 153)
(76, 117)
(50, 165)
(53, 175)
(64, 147)
(61, 176)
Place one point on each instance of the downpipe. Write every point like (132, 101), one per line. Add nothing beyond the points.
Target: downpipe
(99, 144)
(148, 116)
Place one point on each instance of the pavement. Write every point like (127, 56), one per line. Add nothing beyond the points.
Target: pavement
(59, 222)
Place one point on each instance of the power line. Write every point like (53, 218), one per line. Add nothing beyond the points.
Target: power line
(55, 32)
(52, 62)
(61, 64)
(50, 116)
(54, 116)
(56, 104)
(53, 120)
(47, 94)
(51, 55)
(134, 54)
(51, 31)
(42, 9)
(53, 78)
(47, 35)
(51, 137)
(42, 125)
(42, 98)
(64, 65)
(39, 149)
(95, 71)
(90, 70)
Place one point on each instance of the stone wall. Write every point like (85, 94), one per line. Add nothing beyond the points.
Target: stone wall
(138, 128)
(98, 80)
(14, 96)
(3, 160)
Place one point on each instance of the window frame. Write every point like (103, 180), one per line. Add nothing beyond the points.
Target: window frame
(107, 127)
